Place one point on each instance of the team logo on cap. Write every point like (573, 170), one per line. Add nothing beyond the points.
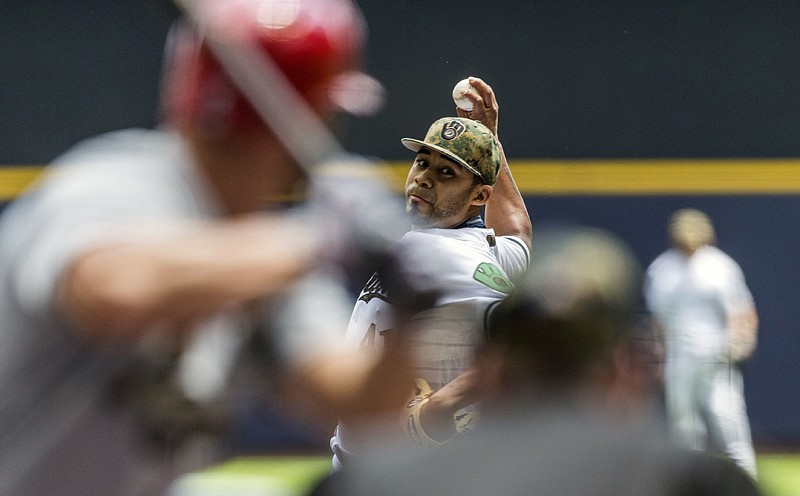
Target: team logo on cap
(452, 130)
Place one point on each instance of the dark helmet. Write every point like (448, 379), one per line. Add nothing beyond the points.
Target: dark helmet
(316, 44)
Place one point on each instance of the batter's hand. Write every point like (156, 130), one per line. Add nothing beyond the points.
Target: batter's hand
(484, 105)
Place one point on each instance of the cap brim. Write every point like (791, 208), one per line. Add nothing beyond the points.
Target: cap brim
(415, 145)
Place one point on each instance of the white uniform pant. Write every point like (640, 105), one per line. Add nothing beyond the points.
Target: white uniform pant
(706, 407)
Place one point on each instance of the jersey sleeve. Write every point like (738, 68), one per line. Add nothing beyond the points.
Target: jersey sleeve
(513, 254)
(53, 227)
(736, 296)
(85, 198)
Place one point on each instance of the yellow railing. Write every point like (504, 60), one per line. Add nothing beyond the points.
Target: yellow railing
(591, 177)
(650, 177)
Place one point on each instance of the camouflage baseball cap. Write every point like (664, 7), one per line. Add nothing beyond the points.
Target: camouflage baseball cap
(469, 143)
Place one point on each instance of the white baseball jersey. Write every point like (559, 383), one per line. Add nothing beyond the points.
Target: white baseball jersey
(691, 297)
(469, 269)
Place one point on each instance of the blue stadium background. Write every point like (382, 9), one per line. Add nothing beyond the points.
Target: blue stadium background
(576, 80)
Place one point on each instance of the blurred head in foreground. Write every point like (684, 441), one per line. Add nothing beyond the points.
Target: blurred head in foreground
(563, 326)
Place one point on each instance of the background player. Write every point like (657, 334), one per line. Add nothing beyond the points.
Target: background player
(459, 170)
(703, 307)
(147, 262)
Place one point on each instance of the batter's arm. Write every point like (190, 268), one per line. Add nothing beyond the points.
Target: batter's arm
(506, 211)
(174, 278)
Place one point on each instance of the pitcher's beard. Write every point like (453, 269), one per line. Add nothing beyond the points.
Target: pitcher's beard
(433, 217)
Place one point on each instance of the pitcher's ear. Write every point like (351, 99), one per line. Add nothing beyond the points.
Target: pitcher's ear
(482, 195)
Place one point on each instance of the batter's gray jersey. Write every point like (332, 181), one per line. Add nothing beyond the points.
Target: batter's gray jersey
(469, 269)
(61, 428)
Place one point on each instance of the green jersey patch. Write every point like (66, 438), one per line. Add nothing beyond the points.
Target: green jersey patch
(494, 277)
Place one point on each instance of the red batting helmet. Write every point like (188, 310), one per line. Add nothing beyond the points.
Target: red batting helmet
(316, 44)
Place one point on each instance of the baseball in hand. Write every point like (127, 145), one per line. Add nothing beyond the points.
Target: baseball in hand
(461, 100)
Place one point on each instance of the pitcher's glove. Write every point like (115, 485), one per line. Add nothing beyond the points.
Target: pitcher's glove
(412, 426)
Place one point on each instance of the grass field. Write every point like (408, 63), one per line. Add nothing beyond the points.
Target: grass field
(779, 474)
(294, 475)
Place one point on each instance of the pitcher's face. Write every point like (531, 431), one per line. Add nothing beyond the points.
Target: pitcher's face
(439, 192)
